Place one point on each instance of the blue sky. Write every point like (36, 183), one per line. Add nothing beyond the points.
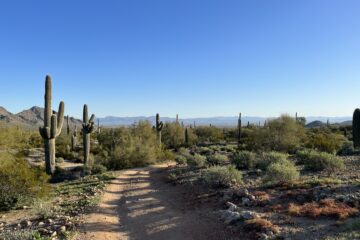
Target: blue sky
(196, 58)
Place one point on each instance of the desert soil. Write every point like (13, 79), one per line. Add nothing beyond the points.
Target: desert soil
(140, 204)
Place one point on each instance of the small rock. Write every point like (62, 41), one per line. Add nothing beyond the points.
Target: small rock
(242, 192)
(251, 197)
(263, 236)
(40, 224)
(247, 215)
(232, 207)
(62, 229)
(26, 223)
(25, 207)
(50, 221)
(53, 234)
(230, 216)
(245, 201)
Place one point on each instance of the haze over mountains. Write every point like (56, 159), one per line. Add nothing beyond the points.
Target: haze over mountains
(34, 117)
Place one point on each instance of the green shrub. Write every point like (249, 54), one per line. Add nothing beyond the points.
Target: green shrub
(325, 141)
(244, 159)
(281, 172)
(264, 159)
(318, 161)
(347, 149)
(217, 159)
(98, 169)
(196, 160)
(20, 183)
(222, 176)
(180, 159)
(59, 160)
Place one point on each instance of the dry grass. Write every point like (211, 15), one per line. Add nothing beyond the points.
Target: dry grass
(326, 207)
(261, 225)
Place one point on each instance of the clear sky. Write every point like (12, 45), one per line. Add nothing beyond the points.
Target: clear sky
(193, 57)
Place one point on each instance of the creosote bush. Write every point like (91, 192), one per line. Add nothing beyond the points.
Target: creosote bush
(264, 159)
(281, 172)
(20, 183)
(222, 176)
(318, 161)
(244, 160)
(196, 160)
(217, 159)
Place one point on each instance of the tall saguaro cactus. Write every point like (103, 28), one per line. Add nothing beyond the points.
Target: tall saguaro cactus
(186, 137)
(356, 128)
(67, 125)
(74, 139)
(52, 127)
(158, 127)
(239, 130)
(87, 129)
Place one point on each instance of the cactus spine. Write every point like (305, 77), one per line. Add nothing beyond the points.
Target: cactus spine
(356, 128)
(87, 129)
(52, 127)
(239, 130)
(158, 127)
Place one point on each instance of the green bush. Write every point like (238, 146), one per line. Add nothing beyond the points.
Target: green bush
(222, 176)
(196, 160)
(324, 140)
(217, 159)
(281, 172)
(318, 161)
(173, 135)
(347, 149)
(180, 159)
(20, 183)
(59, 160)
(264, 159)
(134, 146)
(98, 169)
(244, 159)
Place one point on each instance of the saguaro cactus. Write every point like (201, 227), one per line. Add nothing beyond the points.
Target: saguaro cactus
(52, 127)
(67, 125)
(74, 139)
(186, 137)
(158, 127)
(356, 128)
(239, 130)
(87, 129)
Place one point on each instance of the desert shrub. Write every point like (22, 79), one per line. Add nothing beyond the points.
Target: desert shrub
(98, 169)
(204, 150)
(22, 234)
(325, 141)
(260, 225)
(19, 183)
(326, 207)
(347, 149)
(217, 159)
(43, 209)
(281, 172)
(134, 146)
(15, 137)
(283, 134)
(318, 161)
(209, 134)
(244, 159)
(264, 159)
(173, 135)
(59, 160)
(180, 159)
(196, 160)
(222, 176)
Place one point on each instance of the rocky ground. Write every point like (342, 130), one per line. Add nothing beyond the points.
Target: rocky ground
(319, 206)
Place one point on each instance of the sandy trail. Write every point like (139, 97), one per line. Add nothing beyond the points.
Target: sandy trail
(138, 204)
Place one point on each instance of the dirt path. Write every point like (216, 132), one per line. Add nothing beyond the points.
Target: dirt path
(138, 204)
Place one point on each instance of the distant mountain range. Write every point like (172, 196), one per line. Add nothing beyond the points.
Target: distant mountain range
(30, 118)
(215, 121)
(34, 117)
